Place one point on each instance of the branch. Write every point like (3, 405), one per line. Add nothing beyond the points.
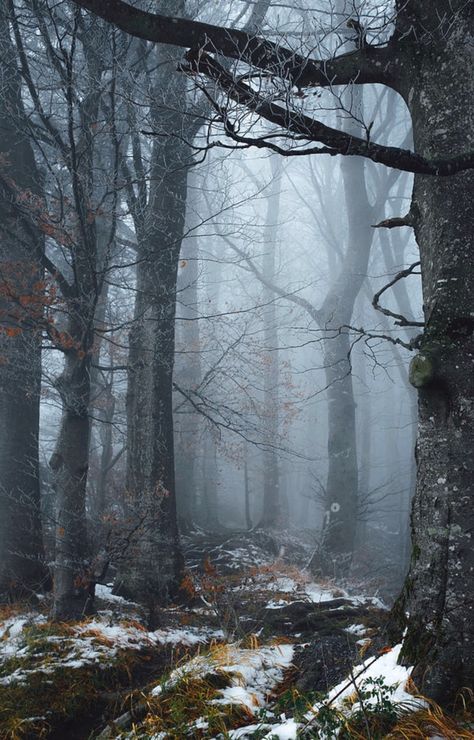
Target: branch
(394, 223)
(335, 141)
(402, 321)
(367, 65)
(65, 287)
(298, 300)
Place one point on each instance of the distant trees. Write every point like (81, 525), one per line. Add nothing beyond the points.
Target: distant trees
(421, 50)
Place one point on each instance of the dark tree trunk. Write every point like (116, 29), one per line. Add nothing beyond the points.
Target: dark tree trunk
(69, 463)
(73, 576)
(439, 586)
(22, 568)
(151, 571)
(342, 479)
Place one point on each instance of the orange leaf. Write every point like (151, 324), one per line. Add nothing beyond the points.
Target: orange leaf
(12, 331)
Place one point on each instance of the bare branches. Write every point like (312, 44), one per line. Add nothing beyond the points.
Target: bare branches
(334, 140)
(368, 65)
(365, 65)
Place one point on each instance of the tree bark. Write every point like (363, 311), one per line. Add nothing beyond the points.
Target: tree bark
(151, 571)
(188, 375)
(438, 590)
(69, 463)
(22, 568)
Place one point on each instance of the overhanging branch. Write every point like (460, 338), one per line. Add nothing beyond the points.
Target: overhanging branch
(334, 140)
(366, 65)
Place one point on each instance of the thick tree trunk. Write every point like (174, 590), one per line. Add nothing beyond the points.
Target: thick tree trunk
(151, 571)
(439, 587)
(69, 463)
(21, 555)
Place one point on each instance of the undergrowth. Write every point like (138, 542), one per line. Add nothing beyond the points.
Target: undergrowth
(44, 694)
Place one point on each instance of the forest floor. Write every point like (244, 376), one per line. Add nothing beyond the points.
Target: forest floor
(261, 651)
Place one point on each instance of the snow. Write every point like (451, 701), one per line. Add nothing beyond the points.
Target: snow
(248, 731)
(127, 636)
(105, 593)
(317, 594)
(238, 695)
(286, 730)
(277, 604)
(356, 629)
(96, 641)
(11, 631)
(254, 673)
(284, 584)
(394, 676)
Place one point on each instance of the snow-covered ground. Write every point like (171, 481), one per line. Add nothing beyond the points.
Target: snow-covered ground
(291, 589)
(384, 668)
(251, 675)
(91, 642)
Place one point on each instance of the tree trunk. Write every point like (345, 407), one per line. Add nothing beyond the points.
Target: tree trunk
(247, 492)
(209, 509)
(151, 571)
(22, 569)
(69, 463)
(342, 480)
(273, 506)
(188, 376)
(439, 586)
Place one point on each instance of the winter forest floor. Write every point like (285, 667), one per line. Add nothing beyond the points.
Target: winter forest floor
(261, 651)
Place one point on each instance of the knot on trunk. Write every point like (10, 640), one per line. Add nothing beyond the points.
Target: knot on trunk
(422, 370)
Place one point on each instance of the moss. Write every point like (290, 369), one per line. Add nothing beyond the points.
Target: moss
(422, 370)
(416, 644)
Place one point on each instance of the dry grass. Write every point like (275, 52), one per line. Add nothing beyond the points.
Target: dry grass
(431, 721)
(48, 695)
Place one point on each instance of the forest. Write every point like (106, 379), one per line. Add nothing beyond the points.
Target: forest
(236, 369)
